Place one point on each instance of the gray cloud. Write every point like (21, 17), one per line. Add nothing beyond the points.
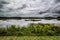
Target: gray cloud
(41, 8)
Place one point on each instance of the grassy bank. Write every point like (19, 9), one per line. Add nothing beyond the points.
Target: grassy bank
(31, 30)
(30, 38)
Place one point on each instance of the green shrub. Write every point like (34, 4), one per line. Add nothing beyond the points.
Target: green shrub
(31, 30)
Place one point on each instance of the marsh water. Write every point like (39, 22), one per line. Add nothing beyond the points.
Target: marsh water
(25, 22)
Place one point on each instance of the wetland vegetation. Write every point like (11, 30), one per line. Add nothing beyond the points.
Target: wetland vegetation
(31, 30)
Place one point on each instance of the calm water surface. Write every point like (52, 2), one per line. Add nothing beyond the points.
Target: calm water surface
(23, 22)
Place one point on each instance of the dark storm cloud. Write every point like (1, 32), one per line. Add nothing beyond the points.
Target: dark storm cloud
(29, 7)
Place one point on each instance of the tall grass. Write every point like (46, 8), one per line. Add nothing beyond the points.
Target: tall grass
(31, 30)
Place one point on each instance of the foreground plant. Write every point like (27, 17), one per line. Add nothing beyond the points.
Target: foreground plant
(31, 30)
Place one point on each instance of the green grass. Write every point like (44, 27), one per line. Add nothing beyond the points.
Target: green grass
(32, 30)
(29, 37)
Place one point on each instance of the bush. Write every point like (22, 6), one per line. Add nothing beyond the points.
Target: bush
(31, 30)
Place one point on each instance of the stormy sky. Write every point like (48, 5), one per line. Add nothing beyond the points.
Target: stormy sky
(29, 8)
